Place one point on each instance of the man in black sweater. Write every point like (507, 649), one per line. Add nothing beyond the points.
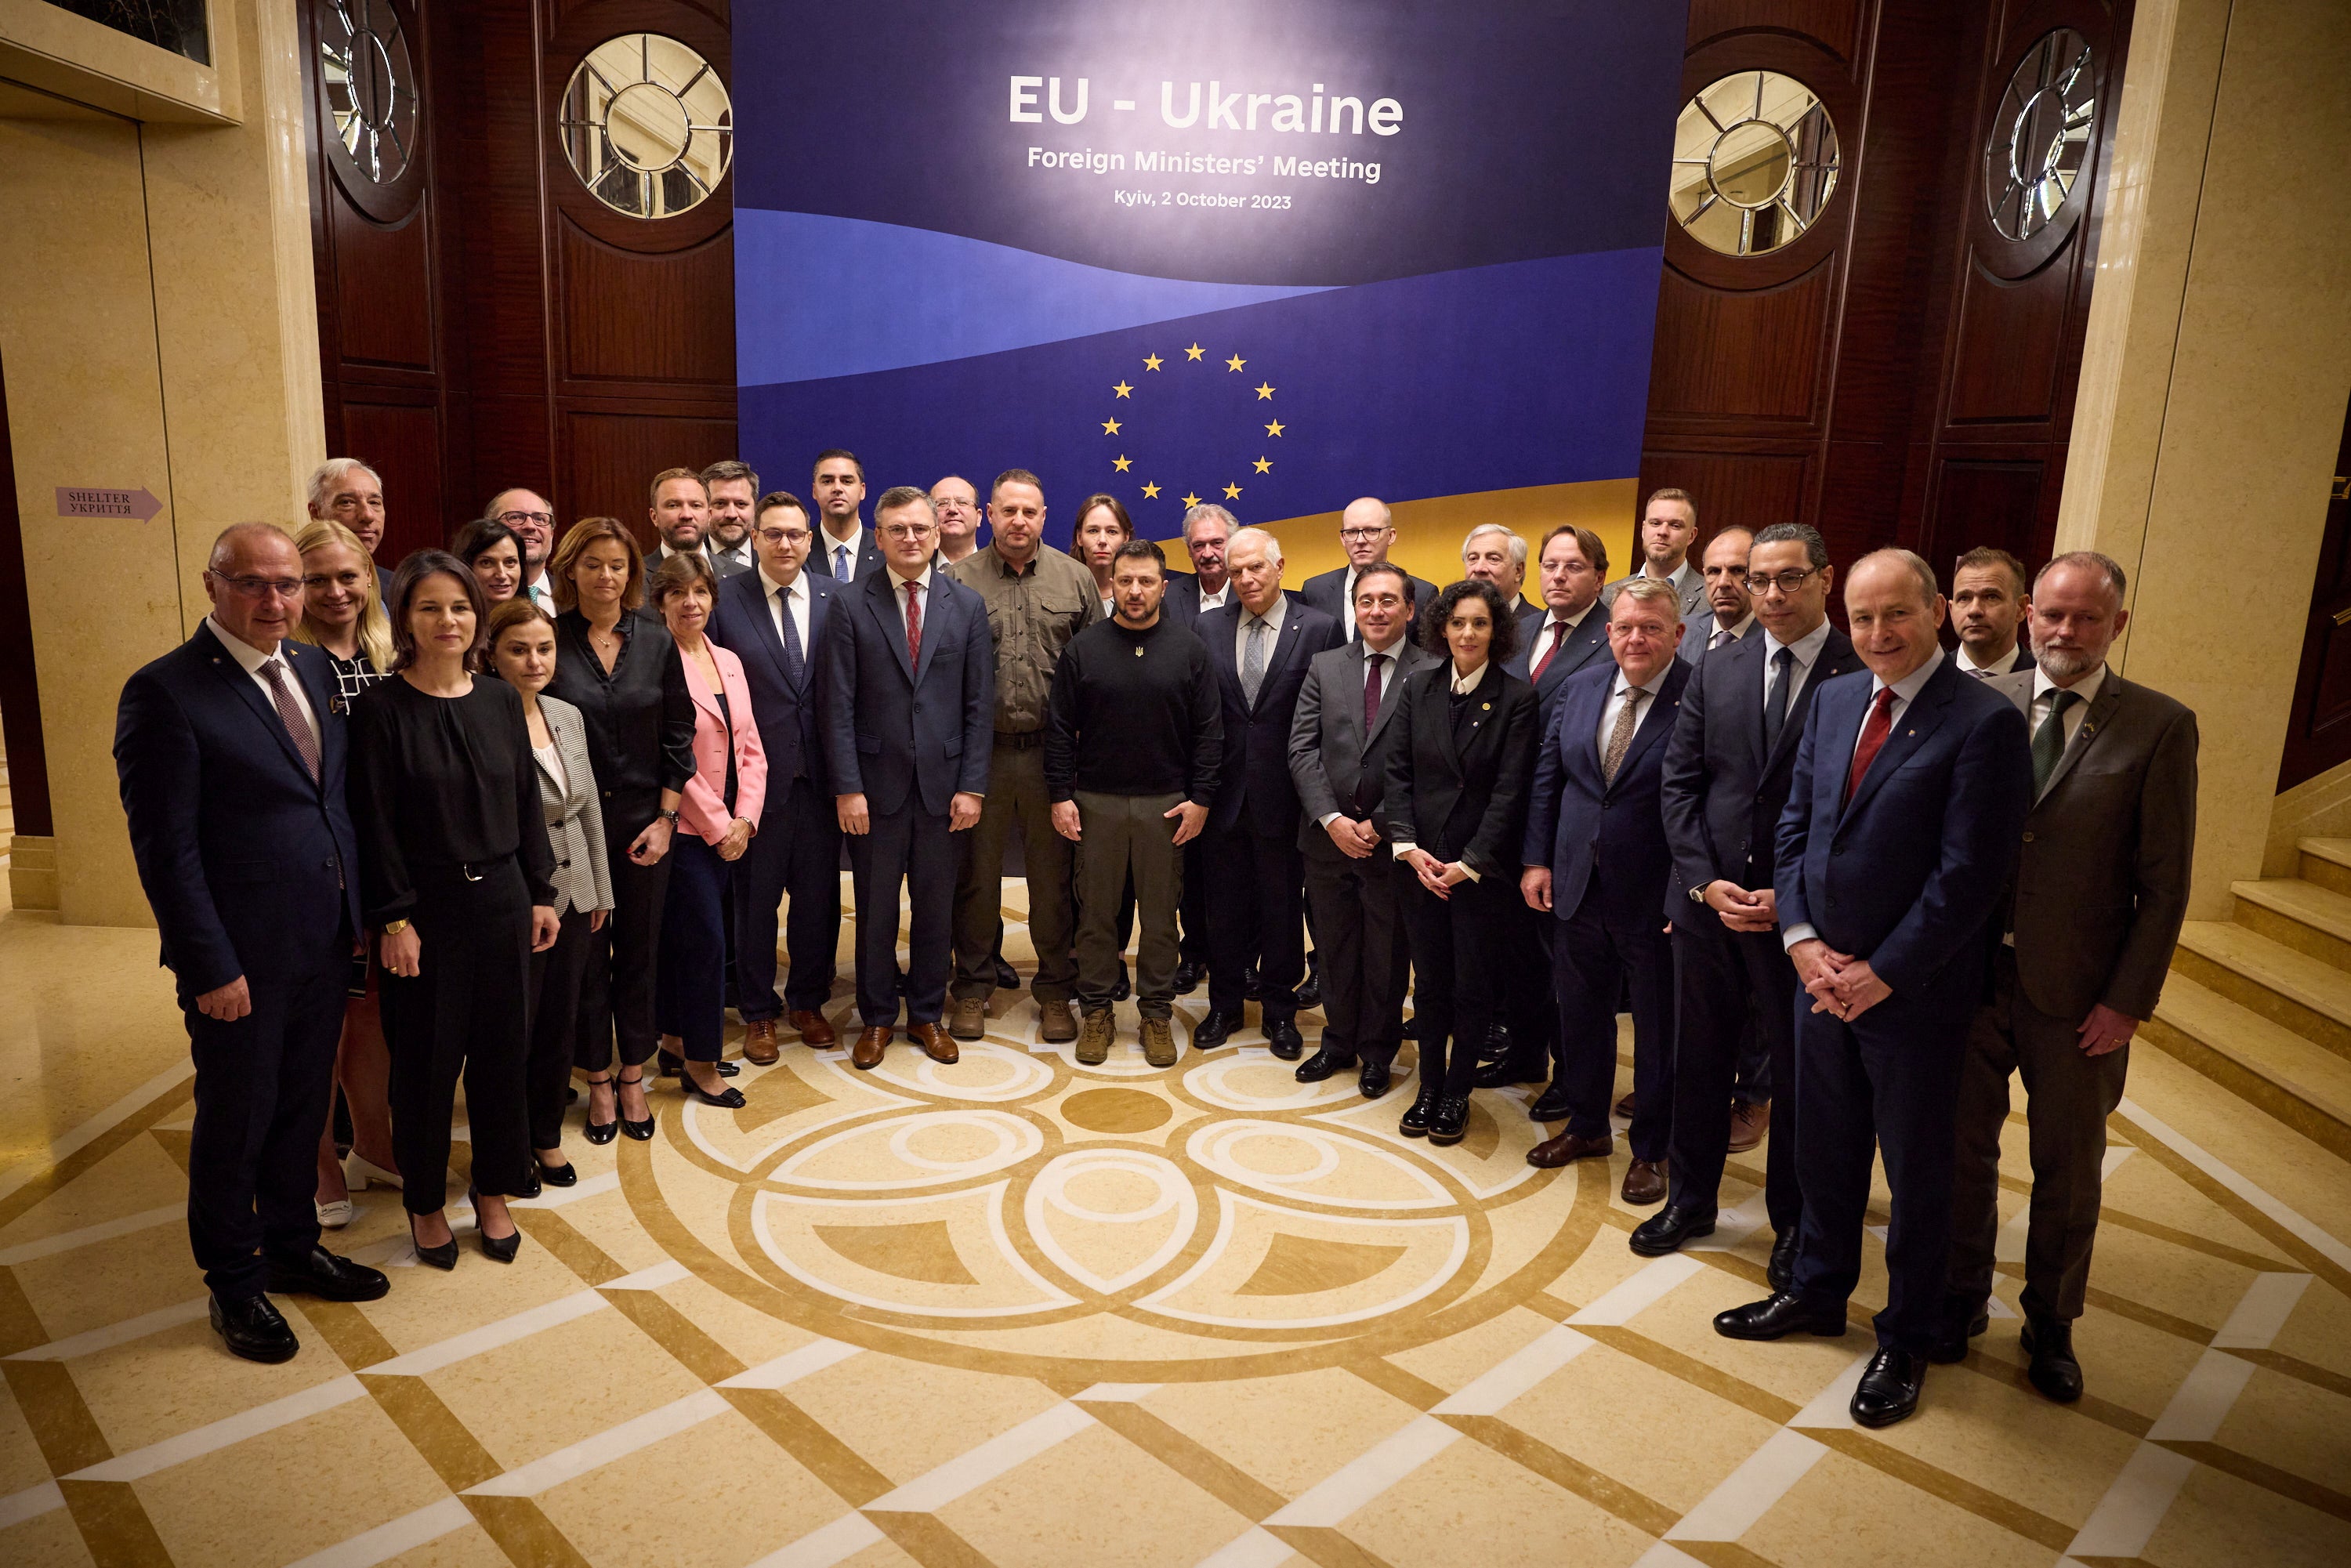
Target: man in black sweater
(1133, 738)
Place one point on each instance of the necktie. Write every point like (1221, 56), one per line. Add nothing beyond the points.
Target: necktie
(2049, 740)
(840, 562)
(1371, 663)
(1620, 740)
(1558, 630)
(795, 657)
(1874, 731)
(1253, 660)
(914, 625)
(1775, 707)
(1721, 635)
(289, 714)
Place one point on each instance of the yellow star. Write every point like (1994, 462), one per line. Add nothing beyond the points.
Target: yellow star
(1110, 427)
(1151, 362)
(1235, 362)
(1232, 492)
(1193, 352)
(1191, 500)
(1274, 429)
(1150, 492)
(1264, 393)
(1121, 463)
(1265, 465)
(1121, 388)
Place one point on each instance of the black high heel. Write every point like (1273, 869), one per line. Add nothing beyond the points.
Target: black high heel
(601, 1133)
(497, 1248)
(564, 1174)
(443, 1257)
(642, 1131)
(729, 1097)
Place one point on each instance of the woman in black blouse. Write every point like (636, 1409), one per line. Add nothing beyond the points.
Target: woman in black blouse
(620, 669)
(1458, 768)
(457, 875)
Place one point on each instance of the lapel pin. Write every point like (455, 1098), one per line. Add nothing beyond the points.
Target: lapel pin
(1486, 707)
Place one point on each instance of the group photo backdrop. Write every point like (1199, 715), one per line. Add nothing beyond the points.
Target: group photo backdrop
(1272, 256)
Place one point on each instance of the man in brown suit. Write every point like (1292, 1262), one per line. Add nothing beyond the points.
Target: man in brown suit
(2101, 887)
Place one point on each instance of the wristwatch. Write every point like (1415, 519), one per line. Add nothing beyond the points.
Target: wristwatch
(1697, 894)
(394, 928)
(669, 817)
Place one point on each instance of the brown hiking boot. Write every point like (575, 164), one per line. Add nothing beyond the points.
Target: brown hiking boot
(970, 1018)
(1056, 1024)
(1093, 1040)
(1159, 1043)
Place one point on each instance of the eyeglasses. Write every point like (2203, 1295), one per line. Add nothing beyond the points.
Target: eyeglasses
(1361, 536)
(1786, 581)
(907, 531)
(544, 519)
(336, 579)
(261, 587)
(778, 536)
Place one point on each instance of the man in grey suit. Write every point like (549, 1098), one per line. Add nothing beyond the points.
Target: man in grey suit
(1669, 527)
(1343, 707)
(2100, 889)
(1722, 572)
(1366, 532)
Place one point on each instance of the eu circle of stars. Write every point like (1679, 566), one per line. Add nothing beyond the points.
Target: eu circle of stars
(1150, 485)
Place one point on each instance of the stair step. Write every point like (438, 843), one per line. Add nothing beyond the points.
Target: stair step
(2301, 915)
(2326, 863)
(2288, 988)
(2302, 1084)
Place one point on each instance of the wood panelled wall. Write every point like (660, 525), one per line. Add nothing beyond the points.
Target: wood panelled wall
(484, 321)
(1901, 373)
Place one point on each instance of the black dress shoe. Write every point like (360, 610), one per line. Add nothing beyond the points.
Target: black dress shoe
(642, 1132)
(2053, 1370)
(1323, 1064)
(1309, 995)
(729, 1097)
(1007, 978)
(1188, 973)
(601, 1133)
(1282, 1037)
(1252, 988)
(1777, 1317)
(1373, 1080)
(1125, 988)
(1550, 1105)
(1782, 1270)
(1497, 1045)
(325, 1276)
(1888, 1391)
(672, 1067)
(1950, 1345)
(443, 1257)
(564, 1174)
(1415, 1124)
(254, 1329)
(1411, 1029)
(1666, 1230)
(1450, 1120)
(1213, 1031)
(1510, 1070)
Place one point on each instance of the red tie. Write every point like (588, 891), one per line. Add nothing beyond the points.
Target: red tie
(914, 625)
(1371, 663)
(1879, 724)
(1558, 630)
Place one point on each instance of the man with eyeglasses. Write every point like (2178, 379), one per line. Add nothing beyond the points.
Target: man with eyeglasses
(774, 619)
(531, 520)
(1728, 767)
(1366, 532)
(733, 487)
(957, 504)
(230, 761)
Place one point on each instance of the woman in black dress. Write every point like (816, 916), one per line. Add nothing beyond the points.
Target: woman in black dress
(620, 669)
(457, 877)
(1456, 802)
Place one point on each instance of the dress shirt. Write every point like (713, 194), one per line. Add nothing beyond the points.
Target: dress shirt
(1807, 650)
(1217, 600)
(1729, 634)
(795, 598)
(1034, 609)
(1553, 631)
(1460, 685)
(1906, 690)
(832, 547)
(1684, 576)
(1617, 698)
(541, 591)
(1274, 618)
(1968, 665)
(250, 659)
(740, 555)
(1364, 651)
(2044, 691)
(1347, 603)
(898, 595)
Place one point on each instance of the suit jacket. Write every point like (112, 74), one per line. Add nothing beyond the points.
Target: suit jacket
(1330, 755)
(1695, 632)
(575, 817)
(1908, 873)
(1722, 792)
(2101, 882)
(869, 554)
(1460, 793)
(1256, 773)
(703, 809)
(2018, 658)
(722, 566)
(1581, 824)
(1687, 577)
(785, 710)
(892, 731)
(1588, 642)
(247, 861)
(1327, 591)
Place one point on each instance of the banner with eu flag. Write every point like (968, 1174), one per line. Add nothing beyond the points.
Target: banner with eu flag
(1276, 254)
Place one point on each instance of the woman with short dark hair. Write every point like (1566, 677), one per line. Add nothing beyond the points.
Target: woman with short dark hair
(494, 554)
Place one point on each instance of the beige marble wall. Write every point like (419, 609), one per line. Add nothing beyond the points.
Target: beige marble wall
(2214, 378)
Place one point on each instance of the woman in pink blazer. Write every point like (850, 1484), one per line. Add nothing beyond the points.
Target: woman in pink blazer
(715, 821)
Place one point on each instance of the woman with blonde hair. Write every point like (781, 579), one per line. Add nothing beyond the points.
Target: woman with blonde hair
(342, 616)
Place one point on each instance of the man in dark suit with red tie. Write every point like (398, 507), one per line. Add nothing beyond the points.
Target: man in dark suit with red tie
(1904, 815)
(230, 751)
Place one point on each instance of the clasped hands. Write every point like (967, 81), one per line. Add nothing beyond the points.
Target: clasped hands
(1837, 982)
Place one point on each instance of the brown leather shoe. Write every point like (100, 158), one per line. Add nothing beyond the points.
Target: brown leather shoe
(760, 1042)
(968, 1019)
(1056, 1023)
(935, 1044)
(1749, 1123)
(1553, 1153)
(1625, 1107)
(1645, 1182)
(866, 1054)
(815, 1033)
(1159, 1043)
(1094, 1045)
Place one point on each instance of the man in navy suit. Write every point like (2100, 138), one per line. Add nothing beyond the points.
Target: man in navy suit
(1260, 647)
(1904, 817)
(1989, 605)
(1207, 529)
(774, 619)
(1366, 532)
(909, 705)
(1728, 771)
(1595, 858)
(230, 751)
(844, 551)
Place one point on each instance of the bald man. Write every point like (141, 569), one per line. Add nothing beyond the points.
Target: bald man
(1366, 532)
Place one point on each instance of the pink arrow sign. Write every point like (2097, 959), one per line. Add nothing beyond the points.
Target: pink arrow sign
(96, 501)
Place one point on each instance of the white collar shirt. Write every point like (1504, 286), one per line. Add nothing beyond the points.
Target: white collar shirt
(1218, 600)
(1721, 636)
(1806, 650)
(791, 600)
(2045, 697)
(1272, 618)
(922, 591)
(843, 567)
(1624, 692)
(251, 659)
(1906, 692)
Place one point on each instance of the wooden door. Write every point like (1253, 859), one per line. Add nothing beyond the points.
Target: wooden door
(2319, 734)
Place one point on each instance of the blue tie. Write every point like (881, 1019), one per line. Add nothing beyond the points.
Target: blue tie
(840, 562)
(795, 661)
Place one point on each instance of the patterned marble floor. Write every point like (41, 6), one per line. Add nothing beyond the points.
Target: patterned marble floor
(1018, 1311)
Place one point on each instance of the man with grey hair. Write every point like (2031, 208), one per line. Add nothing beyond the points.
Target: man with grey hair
(2091, 915)
(527, 516)
(346, 491)
(1207, 529)
(1366, 532)
(1498, 555)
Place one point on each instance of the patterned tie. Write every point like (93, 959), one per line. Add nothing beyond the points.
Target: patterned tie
(914, 625)
(1775, 707)
(1980, 675)
(795, 657)
(1620, 740)
(840, 562)
(2049, 740)
(1721, 635)
(1253, 660)
(1872, 739)
(289, 714)
(1558, 630)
